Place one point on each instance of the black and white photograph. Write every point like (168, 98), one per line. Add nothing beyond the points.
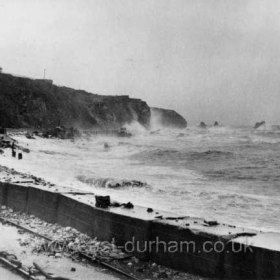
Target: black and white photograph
(139, 139)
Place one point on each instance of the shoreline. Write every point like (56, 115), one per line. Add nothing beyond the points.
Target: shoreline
(66, 207)
(85, 164)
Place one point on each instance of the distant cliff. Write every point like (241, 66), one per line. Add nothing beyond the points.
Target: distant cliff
(167, 118)
(32, 103)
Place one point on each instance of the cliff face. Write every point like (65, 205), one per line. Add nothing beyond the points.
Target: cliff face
(37, 103)
(167, 118)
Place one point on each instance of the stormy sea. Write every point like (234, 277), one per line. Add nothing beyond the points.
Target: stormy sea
(230, 174)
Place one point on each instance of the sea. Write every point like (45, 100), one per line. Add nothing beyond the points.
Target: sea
(230, 174)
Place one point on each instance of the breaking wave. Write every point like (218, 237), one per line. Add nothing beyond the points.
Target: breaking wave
(111, 183)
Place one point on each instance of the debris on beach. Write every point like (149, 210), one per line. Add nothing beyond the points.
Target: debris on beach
(102, 201)
(211, 223)
(65, 240)
(7, 142)
(105, 202)
(68, 242)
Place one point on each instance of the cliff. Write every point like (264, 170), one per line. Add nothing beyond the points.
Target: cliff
(167, 118)
(33, 103)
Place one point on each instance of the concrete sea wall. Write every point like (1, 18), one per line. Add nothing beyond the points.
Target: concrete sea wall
(184, 243)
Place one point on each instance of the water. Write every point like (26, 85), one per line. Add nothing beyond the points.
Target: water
(226, 173)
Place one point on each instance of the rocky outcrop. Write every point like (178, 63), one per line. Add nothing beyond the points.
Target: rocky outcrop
(167, 118)
(32, 103)
(259, 124)
(203, 125)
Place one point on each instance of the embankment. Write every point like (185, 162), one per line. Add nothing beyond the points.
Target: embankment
(184, 243)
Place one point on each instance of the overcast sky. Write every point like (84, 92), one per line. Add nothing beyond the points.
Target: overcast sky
(207, 59)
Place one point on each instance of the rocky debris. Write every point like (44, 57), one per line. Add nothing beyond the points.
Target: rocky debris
(105, 202)
(69, 242)
(12, 176)
(127, 205)
(66, 240)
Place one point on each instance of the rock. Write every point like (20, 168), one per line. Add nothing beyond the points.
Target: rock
(150, 210)
(128, 205)
(3, 207)
(73, 269)
(58, 255)
(216, 123)
(258, 124)
(202, 125)
(115, 204)
(167, 118)
(102, 201)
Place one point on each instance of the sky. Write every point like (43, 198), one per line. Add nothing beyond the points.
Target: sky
(207, 59)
